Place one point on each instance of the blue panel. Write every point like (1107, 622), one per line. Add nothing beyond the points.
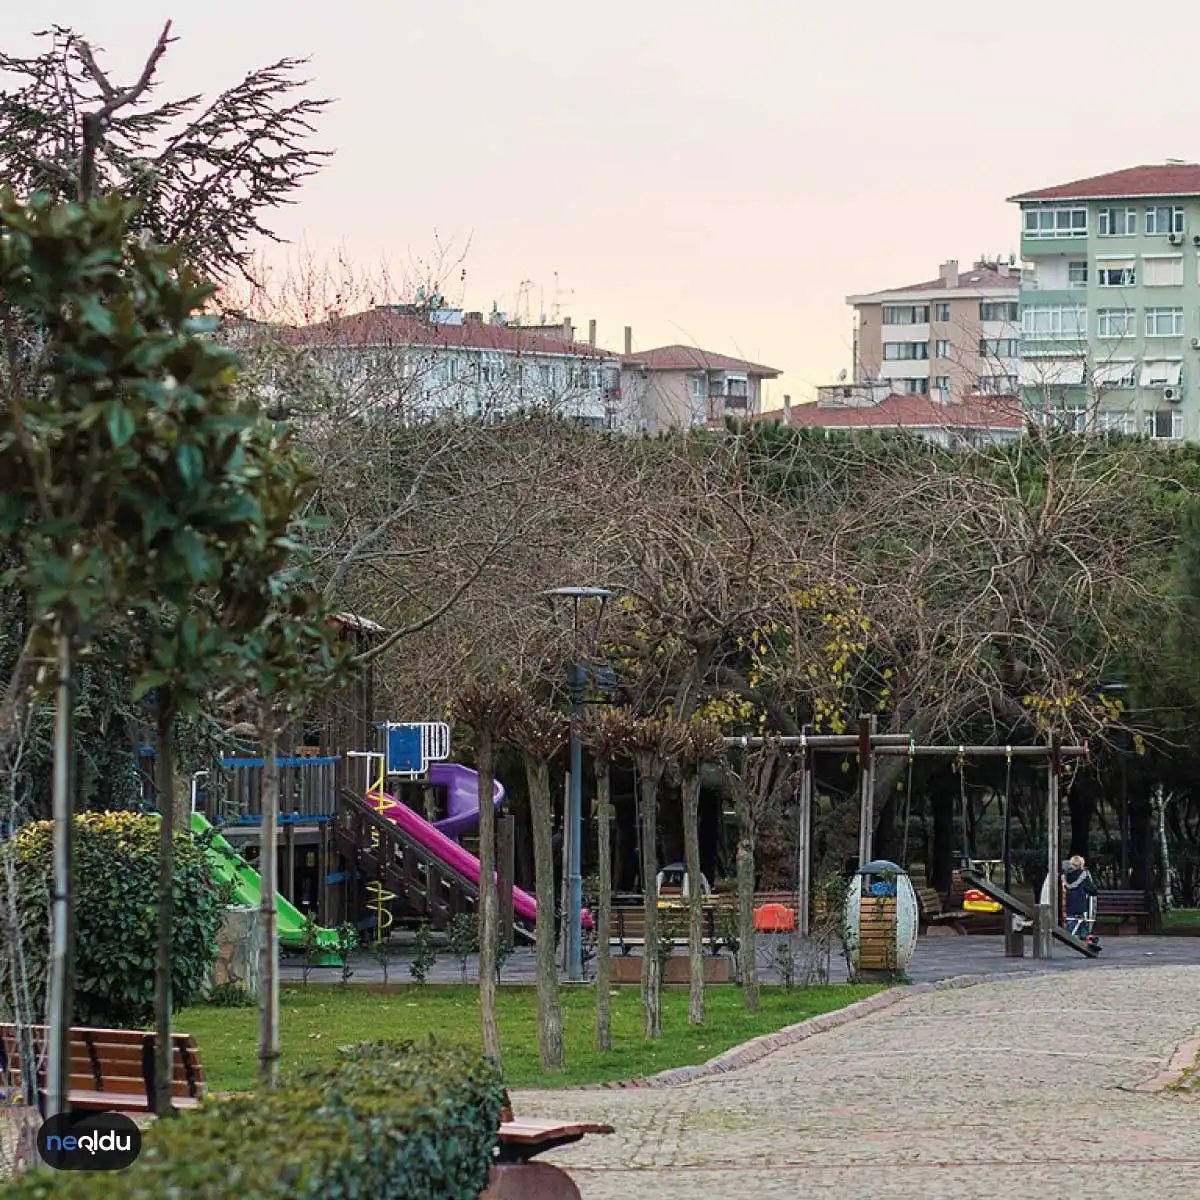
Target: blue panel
(404, 750)
(336, 877)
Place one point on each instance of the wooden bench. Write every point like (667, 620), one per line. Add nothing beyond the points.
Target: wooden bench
(628, 929)
(111, 1069)
(515, 1176)
(1118, 905)
(930, 910)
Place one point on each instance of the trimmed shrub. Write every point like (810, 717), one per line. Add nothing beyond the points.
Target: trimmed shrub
(115, 884)
(390, 1121)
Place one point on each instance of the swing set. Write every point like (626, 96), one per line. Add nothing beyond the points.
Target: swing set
(871, 746)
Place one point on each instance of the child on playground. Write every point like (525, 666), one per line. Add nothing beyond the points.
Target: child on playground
(1080, 889)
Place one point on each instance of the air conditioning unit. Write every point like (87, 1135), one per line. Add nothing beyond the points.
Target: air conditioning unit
(1173, 394)
(1196, 343)
(1175, 239)
(1196, 239)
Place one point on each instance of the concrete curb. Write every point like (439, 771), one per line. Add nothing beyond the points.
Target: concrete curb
(742, 1055)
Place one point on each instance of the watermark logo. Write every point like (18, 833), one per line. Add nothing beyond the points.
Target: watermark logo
(103, 1141)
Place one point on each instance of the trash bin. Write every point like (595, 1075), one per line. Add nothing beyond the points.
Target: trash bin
(880, 930)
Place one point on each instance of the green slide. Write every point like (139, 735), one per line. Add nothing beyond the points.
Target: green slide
(228, 864)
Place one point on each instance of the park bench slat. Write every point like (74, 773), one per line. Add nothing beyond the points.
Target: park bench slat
(110, 1068)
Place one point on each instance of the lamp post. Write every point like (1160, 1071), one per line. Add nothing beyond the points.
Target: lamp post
(577, 676)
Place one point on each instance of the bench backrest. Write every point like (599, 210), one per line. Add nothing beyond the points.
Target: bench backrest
(930, 902)
(1123, 902)
(116, 1061)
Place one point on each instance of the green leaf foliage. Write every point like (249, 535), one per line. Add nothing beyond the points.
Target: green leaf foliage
(115, 881)
(389, 1121)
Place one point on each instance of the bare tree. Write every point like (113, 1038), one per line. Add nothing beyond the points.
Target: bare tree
(489, 712)
(542, 733)
(762, 780)
(609, 735)
(700, 743)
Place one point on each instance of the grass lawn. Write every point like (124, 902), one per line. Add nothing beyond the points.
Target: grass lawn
(317, 1019)
(1181, 917)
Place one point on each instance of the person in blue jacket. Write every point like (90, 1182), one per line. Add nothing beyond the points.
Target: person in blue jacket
(1080, 890)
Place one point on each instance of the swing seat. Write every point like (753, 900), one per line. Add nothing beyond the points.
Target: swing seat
(977, 901)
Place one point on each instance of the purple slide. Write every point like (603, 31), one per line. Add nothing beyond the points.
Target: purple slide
(462, 791)
(448, 850)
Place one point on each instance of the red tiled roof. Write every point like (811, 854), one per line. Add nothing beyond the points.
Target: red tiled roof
(385, 327)
(913, 412)
(969, 279)
(1168, 179)
(692, 358)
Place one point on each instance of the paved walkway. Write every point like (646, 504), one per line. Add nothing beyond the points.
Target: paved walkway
(1007, 1088)
(937, 958)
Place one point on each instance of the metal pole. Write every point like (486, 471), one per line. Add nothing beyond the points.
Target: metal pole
(575, 924)
(1124, 819)
(804, 850)
(1047, 909)
(866, 819)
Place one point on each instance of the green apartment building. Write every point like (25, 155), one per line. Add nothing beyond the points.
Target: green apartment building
(1110, 301)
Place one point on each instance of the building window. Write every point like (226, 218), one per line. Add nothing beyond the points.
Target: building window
(1165, 424)
(1116, 322)
(943, 348)
(998, 385)
(1161, 373)
(941, 312)
(1118, 222)
(942, 383)
(1072, 417)
(905, 314)
(1115, 374)
(1113, 273)
(1162, 271)
(916, 387)
(1108, 421)
(1046, 323)
(999, 347)
(1055, 222)
(1164, 322)
(1002, 310)
(904, 351)
(544, 373)
(699, 387)
(1077, 274)
(1164, 219)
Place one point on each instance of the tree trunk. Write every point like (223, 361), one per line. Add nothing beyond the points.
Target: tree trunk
(690, 795)
(550, 1024)
(268, 1007)
(164, 783)
(604, 915)
(650, 772)
(745, 891)
(487, 898)
(1161, 799)
(60, 1000)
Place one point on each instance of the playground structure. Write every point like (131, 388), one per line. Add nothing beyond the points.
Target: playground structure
(870, 746)
(351, 851)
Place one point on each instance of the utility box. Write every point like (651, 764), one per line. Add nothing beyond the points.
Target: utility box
(881, 922)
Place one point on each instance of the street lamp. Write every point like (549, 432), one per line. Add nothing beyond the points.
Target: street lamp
(577, 676)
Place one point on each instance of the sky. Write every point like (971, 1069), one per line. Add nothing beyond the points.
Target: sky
(721, 173)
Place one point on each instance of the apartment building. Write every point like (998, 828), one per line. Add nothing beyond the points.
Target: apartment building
(1110, 329)
(671, 387)
(946, 338)
(978, 421)
(428, 362)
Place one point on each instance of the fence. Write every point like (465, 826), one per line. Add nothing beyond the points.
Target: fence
(307, 788)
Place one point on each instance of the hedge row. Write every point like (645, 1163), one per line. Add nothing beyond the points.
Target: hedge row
(385, 1121)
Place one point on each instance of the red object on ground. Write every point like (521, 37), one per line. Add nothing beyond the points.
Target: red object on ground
(774, 918)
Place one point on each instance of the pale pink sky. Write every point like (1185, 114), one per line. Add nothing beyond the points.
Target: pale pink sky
(713, 172)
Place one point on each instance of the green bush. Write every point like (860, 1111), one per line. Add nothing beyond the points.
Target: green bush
(392, 1121)
(115, 884)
